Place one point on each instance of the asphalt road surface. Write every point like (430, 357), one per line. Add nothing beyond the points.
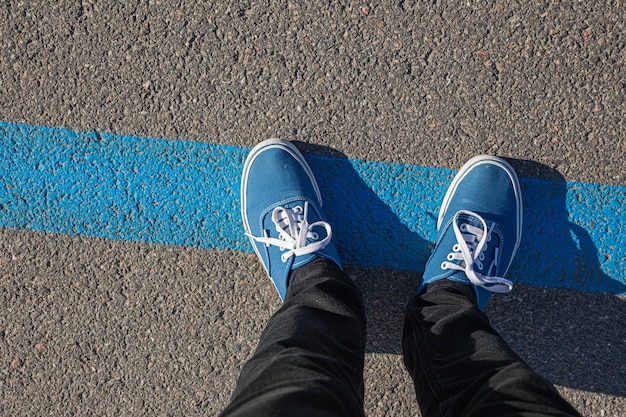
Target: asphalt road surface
(94, 326)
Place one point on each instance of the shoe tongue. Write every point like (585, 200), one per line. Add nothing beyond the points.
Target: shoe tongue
(470, 219)
(298, 216)
(490, 245)
(268, 219)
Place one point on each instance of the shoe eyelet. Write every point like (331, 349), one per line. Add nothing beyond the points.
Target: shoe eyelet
(456, 248)
(450, 257)
(444, 265)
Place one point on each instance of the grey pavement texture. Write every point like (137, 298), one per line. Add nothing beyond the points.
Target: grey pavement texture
(99, 327)
(426, 82)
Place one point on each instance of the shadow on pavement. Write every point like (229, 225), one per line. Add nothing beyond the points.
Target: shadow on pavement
(365, 229)
(573, 338)
(552, 243)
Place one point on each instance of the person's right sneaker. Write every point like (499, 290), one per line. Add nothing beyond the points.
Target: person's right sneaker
(480, 228)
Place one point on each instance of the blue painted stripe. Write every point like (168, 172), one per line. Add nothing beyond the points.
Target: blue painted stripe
(383, 215)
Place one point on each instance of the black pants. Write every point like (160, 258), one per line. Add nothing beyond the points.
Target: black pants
(309, 361)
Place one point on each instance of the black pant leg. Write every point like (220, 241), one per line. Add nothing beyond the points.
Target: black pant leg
(309, 360)
(462, 367)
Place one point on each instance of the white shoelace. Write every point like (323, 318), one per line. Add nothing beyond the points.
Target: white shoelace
(293, 230)
(471, 242)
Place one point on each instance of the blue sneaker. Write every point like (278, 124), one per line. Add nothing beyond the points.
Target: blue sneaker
(480, 228)
(281, 207)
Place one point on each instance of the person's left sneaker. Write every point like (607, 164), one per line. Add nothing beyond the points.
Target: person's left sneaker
(281, 207)
(480, 229)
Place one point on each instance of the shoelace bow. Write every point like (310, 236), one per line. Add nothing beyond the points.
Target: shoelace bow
(293, 231)
(471, 243)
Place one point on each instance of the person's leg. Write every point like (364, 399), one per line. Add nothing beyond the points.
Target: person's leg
(309, 361)
(460, 365)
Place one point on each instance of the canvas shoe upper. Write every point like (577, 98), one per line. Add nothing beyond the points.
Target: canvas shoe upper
(479, 228)
(281, 207)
